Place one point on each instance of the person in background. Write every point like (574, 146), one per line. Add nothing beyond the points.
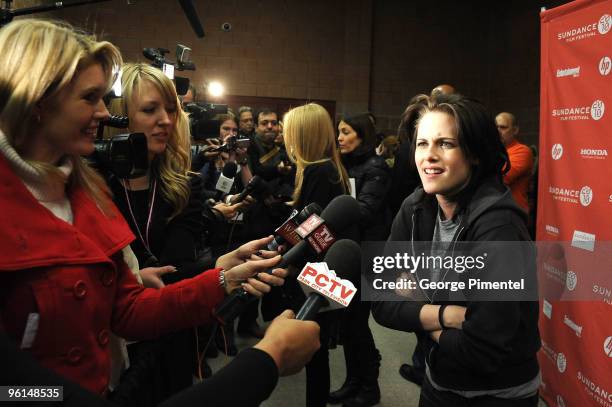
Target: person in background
(65, 283)
(311, 144)
(371, 179)
(521, 159)
(246, 122)
(388, 148)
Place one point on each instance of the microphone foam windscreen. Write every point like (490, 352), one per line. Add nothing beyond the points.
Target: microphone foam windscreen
(341, 213)
(229, 169)
(344, 257)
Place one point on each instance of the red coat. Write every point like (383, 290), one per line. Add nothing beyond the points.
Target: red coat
(521, 166)
(75, 278)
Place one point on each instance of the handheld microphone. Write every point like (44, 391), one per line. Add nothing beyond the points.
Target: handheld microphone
(327, 284)
(255, 185)
(341, 213)
(226, 179)
(286, 232)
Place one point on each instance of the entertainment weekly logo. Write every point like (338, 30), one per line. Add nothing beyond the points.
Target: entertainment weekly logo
(587, 31)
(573, 326)
(584, 196)
(573, 72)
(594, 112)
(601, 395)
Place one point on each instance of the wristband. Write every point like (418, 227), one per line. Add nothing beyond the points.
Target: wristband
(440, 316)
(222, 281)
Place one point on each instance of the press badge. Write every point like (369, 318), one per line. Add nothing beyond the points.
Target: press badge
(31, 329)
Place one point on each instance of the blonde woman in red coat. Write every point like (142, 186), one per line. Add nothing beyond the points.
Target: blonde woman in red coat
(64, 282)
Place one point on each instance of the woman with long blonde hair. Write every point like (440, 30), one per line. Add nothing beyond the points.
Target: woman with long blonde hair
(310, 140)
(64, 283)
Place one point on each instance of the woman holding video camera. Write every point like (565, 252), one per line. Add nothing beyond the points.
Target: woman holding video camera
(65, 283)
(477, 352)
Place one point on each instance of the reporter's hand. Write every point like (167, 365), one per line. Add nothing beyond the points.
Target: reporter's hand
(453, 316)
(291, 343)
(244, 253)
(435, 335)
(228, 211)
(151, 276)
(253, 276)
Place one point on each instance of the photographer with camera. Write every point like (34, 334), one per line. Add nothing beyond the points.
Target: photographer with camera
(64, 280)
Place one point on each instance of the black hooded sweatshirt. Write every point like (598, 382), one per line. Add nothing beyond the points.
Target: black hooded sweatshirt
(497, 345)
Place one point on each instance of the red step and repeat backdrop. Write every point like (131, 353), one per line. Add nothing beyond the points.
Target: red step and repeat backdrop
(575, 202)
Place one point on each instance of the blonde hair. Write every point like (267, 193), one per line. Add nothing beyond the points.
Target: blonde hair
(40, 58)
(310, 138)
(173, 165)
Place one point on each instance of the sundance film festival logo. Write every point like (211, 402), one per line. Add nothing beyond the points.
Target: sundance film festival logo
(597, 109)
(557, 151)
(586, 196)
(564, 194)
(561, 362)
(605, 65)
(571, 279)
(600, 394)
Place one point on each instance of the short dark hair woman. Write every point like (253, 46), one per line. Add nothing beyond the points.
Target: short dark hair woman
(484, 351)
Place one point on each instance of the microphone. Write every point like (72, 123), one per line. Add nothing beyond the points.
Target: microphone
(226, 179)
(341, 213)
(192, 16)
(326, 284)
(255, 185)
(286, 232)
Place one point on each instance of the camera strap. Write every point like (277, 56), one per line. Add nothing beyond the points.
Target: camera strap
(145, 240)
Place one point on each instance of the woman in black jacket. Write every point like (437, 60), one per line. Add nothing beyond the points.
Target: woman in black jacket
(320, 177)
(369, 175)
(484, 351)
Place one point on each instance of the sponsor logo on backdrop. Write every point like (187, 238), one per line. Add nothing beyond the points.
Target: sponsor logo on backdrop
(600, 394)
(586, 31)
(552, 230)
(610, 198)
(554, 273)
(571, 279)
(608, 347)
(564, 194)
(561, 362)
(586, 196)
(560, 401)
(547, 309)
(583, 240)
(605, 22)
(605, 65)
(575, 327)
(574, 72)
(594, 153)
(549, 352)
(557, 151)
(604, 292)
(597, 109)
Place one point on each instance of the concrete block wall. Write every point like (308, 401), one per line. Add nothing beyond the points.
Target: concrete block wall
(362, 54)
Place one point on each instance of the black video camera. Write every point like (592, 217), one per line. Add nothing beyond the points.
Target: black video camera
(231, 144)
(124, 155)
(202, 124)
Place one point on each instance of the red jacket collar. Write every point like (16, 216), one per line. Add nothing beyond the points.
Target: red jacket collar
(31, 236)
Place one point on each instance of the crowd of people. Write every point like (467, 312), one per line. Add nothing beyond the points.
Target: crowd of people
(109, 285)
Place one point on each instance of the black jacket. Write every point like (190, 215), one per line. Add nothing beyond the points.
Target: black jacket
(496, 347)
(372, 182)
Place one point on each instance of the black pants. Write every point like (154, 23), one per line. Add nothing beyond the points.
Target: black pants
(431, 397)
(360, 353)
(317, 370)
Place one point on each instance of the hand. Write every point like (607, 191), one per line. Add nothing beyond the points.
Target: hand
(453, 316)
(291, 343)
(283, 169)
(228, 211)
(435, 335)
(253, 276)
(244, 253)
(151, 276)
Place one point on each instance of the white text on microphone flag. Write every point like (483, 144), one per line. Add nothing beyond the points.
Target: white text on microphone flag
(317, 278)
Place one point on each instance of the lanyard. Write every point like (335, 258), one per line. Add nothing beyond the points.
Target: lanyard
(145, 241)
